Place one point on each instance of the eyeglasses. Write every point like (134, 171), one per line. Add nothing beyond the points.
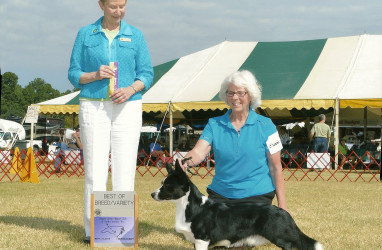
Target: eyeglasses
(238, 93)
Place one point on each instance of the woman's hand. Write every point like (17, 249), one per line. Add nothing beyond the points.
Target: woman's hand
(122, 95)
(183, 166)
(196, 155)
(104, 72)
(76, 134)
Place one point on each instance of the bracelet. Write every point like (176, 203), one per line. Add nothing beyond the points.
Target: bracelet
(133, 88)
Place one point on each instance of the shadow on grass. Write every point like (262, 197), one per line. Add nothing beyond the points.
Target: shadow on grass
(146, 228)
(161, 247)
(76, 232)
(73, 231)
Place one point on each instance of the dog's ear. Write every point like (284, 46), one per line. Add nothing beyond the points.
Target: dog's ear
(169, 168)
(177, 166)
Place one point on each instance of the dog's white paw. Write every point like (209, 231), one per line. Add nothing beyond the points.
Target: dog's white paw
(201, 244)
(318, 246)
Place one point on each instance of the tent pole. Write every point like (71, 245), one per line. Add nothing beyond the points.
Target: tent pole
(364, 124)
(336, 132)
(171, 136)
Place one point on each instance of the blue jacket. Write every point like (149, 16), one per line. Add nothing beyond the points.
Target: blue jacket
(91, 50)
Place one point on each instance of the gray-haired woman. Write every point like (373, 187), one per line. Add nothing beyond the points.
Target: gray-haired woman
(246, 147)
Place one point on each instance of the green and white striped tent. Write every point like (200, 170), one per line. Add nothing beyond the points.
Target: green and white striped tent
(315, 74)
(300, 74)
(346, 71)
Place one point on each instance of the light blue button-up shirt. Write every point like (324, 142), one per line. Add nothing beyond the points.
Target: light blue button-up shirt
(91, 50)
(241, 163)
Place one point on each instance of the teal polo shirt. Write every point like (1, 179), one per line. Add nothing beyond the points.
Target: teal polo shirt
(241, 163)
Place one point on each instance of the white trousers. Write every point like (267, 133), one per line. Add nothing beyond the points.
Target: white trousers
(108, 127)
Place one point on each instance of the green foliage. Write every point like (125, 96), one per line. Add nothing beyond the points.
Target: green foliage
(16, 99)
(38, 91)
(11, 96)
(71, 121)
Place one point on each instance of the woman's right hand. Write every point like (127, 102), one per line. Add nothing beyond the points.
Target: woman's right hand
(104, 72)
(183, 166)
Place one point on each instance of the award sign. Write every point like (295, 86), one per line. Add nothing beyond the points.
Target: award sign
(114, 219)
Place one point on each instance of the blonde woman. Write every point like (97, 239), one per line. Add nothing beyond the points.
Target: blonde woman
(110, 120)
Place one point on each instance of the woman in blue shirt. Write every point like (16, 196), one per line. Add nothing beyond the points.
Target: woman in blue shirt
(110, 114)
(246, 147)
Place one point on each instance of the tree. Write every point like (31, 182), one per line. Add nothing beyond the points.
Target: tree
(38, 91)
(11, 96)
(15, 99)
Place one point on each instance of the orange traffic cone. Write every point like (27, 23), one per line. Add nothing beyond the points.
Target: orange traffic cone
(16, 162)
(29, 171)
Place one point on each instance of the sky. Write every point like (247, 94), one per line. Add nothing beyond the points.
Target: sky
(36, 37)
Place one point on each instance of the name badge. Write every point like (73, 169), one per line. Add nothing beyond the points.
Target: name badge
(124, 39)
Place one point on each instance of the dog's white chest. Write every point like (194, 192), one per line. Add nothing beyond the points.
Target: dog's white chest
(181, 226)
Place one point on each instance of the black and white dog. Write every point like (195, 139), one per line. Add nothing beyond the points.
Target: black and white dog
(207, 223)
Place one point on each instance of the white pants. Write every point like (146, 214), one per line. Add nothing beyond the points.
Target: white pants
(107, 127)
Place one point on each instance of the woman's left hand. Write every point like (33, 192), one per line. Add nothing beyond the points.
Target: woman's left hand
(122, 95)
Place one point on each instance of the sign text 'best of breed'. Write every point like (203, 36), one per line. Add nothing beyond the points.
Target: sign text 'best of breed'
(114, 219)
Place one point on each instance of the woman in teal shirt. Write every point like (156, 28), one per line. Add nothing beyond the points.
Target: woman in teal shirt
(110, 114)
(246, 147)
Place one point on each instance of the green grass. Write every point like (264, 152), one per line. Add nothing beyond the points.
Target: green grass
(48, 215)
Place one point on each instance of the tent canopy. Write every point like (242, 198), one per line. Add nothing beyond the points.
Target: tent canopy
(298, 75)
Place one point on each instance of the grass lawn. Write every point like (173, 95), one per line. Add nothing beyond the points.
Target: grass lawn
(48, 215)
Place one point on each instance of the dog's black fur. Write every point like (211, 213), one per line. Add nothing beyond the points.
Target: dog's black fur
(207, 223)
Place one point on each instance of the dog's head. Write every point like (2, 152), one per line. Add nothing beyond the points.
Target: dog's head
(174, 186)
